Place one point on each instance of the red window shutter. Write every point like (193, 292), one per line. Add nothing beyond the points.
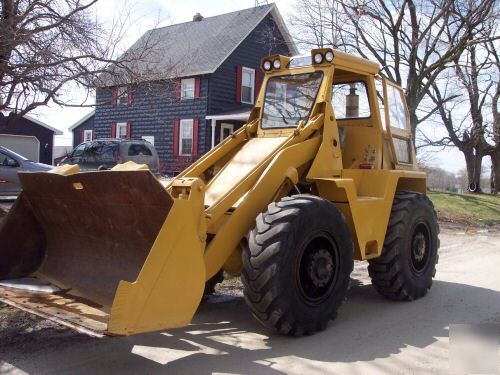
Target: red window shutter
(129, 130)
(129, 95)
(113, 130)
(176, 136)
(82, 136)
(239, 71)
(114, 96)
(195, 136)
(197, 86)
(177, 89)
(258, 83)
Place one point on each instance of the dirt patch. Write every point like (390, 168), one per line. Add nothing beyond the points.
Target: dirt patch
(22, 333)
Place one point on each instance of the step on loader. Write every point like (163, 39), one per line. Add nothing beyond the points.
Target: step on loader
(323, 173)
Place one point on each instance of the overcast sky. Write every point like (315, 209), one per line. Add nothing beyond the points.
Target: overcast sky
(148, 13)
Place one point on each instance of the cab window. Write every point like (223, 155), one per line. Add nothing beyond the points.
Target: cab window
(397, 113)
(350, 100)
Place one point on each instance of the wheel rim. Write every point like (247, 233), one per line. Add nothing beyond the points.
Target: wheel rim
(317, 269)
(420, 248)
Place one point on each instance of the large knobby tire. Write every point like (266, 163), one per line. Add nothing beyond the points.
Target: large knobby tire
(297, 264)
(407, 265)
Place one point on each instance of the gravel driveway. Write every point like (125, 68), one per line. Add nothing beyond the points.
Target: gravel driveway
(371, 335)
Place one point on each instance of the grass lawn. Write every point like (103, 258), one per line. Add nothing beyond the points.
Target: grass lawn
(472, 209)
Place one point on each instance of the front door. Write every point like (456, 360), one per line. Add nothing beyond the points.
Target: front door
(226, 130)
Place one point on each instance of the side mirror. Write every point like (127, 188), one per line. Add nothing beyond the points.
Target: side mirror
(11, 163)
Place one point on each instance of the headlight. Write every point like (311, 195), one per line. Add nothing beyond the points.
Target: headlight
(277, 64)
(318, 58)
(329, 56)
(267, 65)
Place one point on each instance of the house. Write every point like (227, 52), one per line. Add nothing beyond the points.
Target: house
(198, 85)
(83, 129)
(29, 137)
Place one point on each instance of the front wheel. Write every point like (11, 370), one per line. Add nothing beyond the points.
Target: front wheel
(407, 265)
(297, 265)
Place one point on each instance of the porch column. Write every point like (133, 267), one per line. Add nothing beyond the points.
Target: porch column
(214, 122)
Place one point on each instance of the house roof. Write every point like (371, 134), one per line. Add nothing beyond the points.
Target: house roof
(82, 120)
(194, 48)
(36, 121)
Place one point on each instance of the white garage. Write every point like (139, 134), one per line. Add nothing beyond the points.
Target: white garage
(27, 146)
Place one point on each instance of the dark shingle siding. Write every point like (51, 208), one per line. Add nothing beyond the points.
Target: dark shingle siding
(249, 53)
(152, 113)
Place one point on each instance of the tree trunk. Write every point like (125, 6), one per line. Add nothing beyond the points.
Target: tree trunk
(473, 165)
(495, 171)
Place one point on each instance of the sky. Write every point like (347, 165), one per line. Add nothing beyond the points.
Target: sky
(147, 14)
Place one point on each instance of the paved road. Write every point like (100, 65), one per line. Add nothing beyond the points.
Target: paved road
(371, 335)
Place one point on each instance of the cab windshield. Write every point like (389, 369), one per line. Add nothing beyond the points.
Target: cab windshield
(289, 99)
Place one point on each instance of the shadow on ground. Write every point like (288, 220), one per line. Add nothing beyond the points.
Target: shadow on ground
(224, 337)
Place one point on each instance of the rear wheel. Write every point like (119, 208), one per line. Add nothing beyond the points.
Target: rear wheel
(297, 264)
(407, 265)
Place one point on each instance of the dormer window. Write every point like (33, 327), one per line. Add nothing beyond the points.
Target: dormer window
(187, 88)
(122, 95)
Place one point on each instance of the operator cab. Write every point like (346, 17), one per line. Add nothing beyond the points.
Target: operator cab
(357, 96)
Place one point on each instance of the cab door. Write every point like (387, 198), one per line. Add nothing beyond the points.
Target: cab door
(397, 118)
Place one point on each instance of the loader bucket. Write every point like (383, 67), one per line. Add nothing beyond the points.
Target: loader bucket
(123, 255)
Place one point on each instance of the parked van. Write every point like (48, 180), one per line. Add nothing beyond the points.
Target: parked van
(106, 153)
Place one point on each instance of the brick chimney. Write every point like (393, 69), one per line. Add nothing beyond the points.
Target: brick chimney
(197, 17)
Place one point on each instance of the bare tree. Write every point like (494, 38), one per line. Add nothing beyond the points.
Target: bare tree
(406, 37)
(47, 44)
(467, 105)
(494, 150)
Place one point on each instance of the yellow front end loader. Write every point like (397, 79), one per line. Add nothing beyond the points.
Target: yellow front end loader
(323, 172)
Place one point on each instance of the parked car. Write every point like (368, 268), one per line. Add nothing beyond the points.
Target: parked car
(106, 153)
(11, 163)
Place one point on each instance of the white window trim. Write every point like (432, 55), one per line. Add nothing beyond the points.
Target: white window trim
(223, 126)
(86, 138)
(252, 71)
(183, 123)
(184, 83)
(119, 126)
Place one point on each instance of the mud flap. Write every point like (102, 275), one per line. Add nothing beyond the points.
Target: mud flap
(112, 240)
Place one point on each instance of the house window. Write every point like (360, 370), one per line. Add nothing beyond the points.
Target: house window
(247, 85)
(122, 95)
(87, 135)
(186, 137)
(226, 130)
(121, 130)
(187, 88)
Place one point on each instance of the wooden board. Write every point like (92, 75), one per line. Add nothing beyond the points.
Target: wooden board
(63, 308)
